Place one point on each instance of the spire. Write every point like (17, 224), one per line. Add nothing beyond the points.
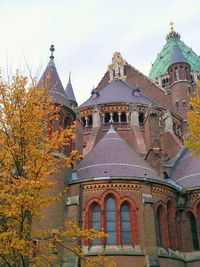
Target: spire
(70, 92)
(177, 55)
(50, 80)
(172, 32)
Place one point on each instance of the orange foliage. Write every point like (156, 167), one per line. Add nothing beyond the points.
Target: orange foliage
(193, 141)
(26, 161)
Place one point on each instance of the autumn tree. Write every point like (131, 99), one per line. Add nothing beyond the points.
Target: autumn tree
(193, 141)
(26, 161)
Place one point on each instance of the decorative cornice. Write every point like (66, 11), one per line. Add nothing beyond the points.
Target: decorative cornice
(115, 108)
(114, 186)
(163, 191)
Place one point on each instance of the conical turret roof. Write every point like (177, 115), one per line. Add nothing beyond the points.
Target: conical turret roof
(113, 157)
(50, 80)
(70, 92)
(177, 55)
(163, 60)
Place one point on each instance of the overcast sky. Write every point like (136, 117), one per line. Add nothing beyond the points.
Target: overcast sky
(86, 33)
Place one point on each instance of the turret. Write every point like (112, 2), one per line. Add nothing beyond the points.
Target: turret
(70, 93)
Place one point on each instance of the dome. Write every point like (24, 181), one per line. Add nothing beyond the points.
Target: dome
(186, 171)
(163, 60)
(113, 157)
(117, 91)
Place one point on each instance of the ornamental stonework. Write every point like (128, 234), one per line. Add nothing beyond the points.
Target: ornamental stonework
(115, 108)
(163, 191)
(86, 112)
(114, 186)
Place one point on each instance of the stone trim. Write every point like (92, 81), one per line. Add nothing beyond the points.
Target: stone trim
(115, 186)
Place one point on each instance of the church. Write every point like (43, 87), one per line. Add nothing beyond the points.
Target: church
(137, 181)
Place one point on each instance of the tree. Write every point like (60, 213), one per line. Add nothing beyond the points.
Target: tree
(193, 141)
(28, 141)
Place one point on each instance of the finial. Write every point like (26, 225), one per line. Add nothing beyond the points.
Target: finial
(172, 32)
(171, 24)
(52, 49)
(69, 76)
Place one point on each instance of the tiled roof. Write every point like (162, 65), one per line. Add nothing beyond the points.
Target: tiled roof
(186, 171)
(70, 92)
(54, 84)
(113, 157)
(117, 92)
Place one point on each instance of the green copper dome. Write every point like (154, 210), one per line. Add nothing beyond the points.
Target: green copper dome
(163, 59)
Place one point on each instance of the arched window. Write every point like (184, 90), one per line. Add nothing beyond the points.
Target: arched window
(172, 228)
(141, 117)
(125, 224)
(90, 120)
(110, 221)
(123, 117)
(107, 117)
(176, 74)
(67, 122)
(96, 221)
(158, 227)
(193, 227)
(161, 227)
(115, 117)
(83, 121)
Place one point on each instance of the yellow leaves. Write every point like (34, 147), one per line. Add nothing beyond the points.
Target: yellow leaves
(31, 133)
(193, 142)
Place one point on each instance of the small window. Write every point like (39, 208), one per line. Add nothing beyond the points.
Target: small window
(176, 75)
(115, 117)
(67, 122)
(90, 120)
(176, 104)
(83, 122)
(141, 117)
(123, 117)
(107, 117)
(184, 105)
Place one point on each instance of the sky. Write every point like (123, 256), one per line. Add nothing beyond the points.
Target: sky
(86, 33)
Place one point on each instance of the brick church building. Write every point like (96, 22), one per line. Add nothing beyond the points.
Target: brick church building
(137, 182)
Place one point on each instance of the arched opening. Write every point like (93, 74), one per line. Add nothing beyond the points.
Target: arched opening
(125, 224)
(110, 220)
(107, 117)
(96, 221)
(83, 122)
(161, 227)
(90, 120)
(172, 229)
(141, 117)
(67, 122)
(115, 117)
(158, 226)
(123, 117)
(193, 228)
